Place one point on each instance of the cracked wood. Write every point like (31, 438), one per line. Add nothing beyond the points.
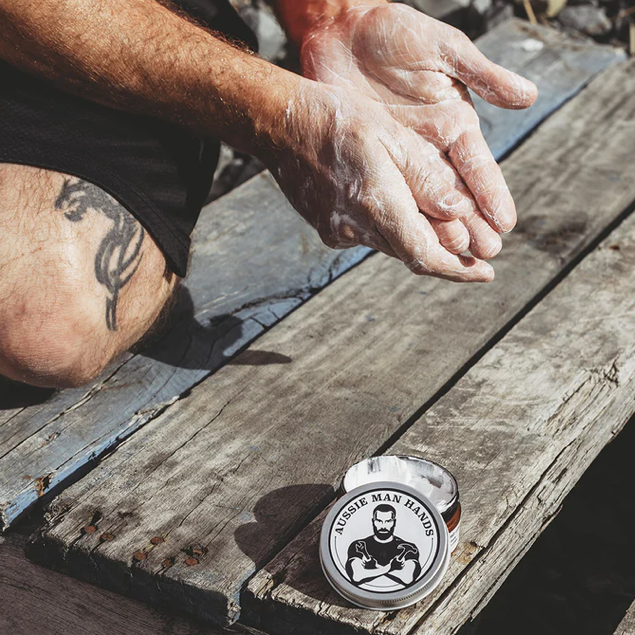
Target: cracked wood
(518, 431)
(254, 261)
(627, 625)
(32, 596)
(253, 453)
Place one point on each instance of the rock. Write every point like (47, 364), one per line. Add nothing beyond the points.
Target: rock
(481, 6)
(595, 3)
(587, 19)
(450, 11)
(233, 169)
(498, 13)
(259, 16)
(546, 8)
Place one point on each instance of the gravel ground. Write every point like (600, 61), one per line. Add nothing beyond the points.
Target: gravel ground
(579, 577)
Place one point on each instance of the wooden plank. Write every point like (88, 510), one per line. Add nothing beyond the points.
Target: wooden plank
(235, 291)
(252, 454)
(537, 53)
(627, 625)
(518, 431)
(38, 601)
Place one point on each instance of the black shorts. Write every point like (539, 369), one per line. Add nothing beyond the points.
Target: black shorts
(159, 172)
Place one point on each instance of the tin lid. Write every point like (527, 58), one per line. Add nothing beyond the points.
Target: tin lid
(384, 546)
(427, 477)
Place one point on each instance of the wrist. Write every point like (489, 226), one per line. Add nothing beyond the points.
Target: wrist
(236, 97)
(267, 107)
(300, 18)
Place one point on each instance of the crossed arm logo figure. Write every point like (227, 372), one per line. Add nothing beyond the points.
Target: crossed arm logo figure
(383, 554)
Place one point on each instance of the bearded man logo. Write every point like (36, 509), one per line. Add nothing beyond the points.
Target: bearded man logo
(383, 554)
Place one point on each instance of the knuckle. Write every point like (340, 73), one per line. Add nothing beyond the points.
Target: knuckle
(338, 239)
(459, 37)
(329, 240)
(457, 244)
(346, 235)
(466, 114)
(418, 267)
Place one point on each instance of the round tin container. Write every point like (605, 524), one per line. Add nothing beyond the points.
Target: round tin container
(427, 477)
(384, 545)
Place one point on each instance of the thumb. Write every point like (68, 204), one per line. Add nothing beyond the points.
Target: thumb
(492, 82)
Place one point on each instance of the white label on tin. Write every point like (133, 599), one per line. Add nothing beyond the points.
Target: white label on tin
(384, 540)
(454, 537)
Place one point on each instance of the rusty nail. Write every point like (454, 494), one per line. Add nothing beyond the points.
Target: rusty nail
(614, 247)
(168, 562)
(157, 540)
(140, 555)
(198, 551)
(89, 529)
(106, 537)
(190, 562)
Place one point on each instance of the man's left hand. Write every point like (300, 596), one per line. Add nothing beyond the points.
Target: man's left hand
(420, 68)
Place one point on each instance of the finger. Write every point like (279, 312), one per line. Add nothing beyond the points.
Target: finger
(484, 242)
(492, 82)
(439, 124)
(442, 193)
(415, 242)
(473, 159)
(344, 233)
(453, 235)
(435, 185)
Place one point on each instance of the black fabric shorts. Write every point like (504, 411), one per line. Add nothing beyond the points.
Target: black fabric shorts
(159, 172)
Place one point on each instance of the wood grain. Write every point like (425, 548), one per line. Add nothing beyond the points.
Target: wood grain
(238, 467)
(38, 601)
(518, 431)
(627, 625)
(254, 261)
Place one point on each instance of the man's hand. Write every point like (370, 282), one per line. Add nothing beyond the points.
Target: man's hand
(360, 177)
(418, 68)
(347, 164)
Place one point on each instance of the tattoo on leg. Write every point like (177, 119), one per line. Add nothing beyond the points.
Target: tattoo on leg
(119, 253)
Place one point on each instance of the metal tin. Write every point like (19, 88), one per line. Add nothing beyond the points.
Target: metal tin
(429, 478)
(384, 545)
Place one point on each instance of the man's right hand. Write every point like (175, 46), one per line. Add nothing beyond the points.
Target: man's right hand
(361, 178)
(347, 165)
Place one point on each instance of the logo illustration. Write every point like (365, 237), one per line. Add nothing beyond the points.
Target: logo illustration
(383, 554)
(383, 540)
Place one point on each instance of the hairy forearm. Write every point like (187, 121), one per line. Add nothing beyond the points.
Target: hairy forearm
(139, 56)
(299, 16)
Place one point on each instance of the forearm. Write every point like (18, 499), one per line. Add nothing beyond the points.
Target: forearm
(138, 56)
(298, 16)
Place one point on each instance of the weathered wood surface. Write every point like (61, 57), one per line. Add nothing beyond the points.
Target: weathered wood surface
(518, 431)
(254, 261)
(627, 625)
(537, 53)
(38, 601)
(251, 455)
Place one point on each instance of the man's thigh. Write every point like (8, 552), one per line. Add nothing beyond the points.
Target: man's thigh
(81, 280)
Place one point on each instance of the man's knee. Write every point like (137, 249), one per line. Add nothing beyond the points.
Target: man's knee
(53, 344)
(81, 280)
(54, 357)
